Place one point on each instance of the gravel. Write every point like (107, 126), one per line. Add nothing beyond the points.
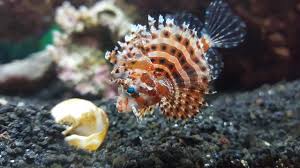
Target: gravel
(259, 128)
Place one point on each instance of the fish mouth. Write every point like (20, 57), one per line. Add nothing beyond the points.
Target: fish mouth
(125, 103)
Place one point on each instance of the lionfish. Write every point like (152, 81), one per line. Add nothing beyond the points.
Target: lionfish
(170, 62)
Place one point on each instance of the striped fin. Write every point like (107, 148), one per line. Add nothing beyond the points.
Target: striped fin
(176, 55)
(186, 103)
(180, 42)
(223, 28)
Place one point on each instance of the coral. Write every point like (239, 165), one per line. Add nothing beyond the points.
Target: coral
(77, 48)
(81, 67)
(104, 13)
(87, 124)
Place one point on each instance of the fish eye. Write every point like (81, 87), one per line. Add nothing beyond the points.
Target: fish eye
(131, 90)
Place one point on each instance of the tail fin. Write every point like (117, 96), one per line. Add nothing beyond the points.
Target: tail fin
(223, 28)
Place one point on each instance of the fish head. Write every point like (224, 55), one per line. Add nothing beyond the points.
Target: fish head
(138, 86)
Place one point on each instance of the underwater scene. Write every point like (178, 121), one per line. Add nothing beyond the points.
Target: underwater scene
(150, 84)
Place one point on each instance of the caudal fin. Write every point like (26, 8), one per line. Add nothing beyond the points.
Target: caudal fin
(223, 28)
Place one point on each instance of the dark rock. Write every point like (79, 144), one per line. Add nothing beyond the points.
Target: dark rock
(120, 161)
(137, 141)
(6, 109)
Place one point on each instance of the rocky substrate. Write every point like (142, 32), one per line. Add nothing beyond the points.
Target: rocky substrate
(260, 128)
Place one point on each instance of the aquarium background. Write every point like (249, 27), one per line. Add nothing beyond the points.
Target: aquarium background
(53, 50)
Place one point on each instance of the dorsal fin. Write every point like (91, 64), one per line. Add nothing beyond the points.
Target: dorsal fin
(222, 26)
(222, 29)
(187, 18)
(215, 61)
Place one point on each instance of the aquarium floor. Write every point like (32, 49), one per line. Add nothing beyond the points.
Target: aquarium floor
(259, 128)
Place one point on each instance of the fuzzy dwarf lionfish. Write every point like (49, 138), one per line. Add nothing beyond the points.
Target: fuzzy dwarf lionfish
(171, 62)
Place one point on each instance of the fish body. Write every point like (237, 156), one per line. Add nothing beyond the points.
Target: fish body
(171, 62)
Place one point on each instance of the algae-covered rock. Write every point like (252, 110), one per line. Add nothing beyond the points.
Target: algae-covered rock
(26, 74)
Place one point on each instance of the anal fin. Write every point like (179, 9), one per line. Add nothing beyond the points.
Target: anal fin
(185, 103)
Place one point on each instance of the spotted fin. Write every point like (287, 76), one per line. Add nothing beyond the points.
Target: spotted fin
(223, 28)
(186, 18)
(186, 103)
(141, 113)
(215, 61)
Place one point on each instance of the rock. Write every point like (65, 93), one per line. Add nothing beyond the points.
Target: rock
(119, 162)
(27, 74)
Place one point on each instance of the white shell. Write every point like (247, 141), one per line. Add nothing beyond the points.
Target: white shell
(87, 124)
